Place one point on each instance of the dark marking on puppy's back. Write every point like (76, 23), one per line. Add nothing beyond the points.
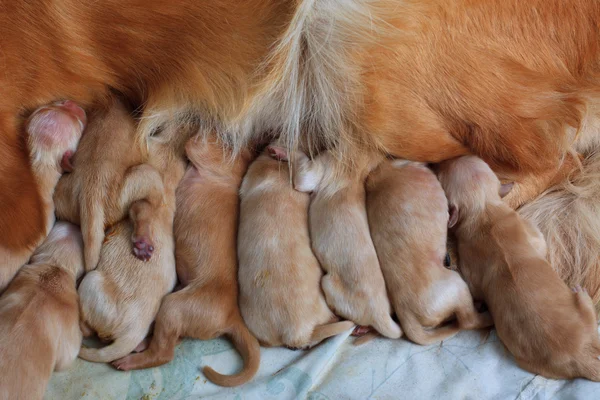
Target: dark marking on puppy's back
(53, 279)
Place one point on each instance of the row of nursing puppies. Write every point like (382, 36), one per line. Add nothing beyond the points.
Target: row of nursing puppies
(367, 242)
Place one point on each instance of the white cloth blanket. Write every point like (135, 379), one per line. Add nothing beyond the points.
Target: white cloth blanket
(467, 366)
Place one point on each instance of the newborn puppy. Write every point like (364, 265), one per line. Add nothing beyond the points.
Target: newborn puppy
(121, 297)
(550, 330)
(353, 283)
(109, 176)
(280, 296)
(205, 230)
(52, 133)
(408, 217)
(39, 316)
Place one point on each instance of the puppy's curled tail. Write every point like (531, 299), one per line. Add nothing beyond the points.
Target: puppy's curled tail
(415, 331)
(323, 332)
(117, 349)
(249, 349)
(386, 326)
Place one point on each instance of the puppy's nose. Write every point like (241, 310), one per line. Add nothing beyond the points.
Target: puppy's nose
(447, 260)
(65, 161)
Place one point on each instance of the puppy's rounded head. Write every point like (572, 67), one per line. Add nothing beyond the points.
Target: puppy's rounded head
(53, 133)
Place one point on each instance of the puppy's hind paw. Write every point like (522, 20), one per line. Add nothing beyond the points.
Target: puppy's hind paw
(361, 331)
(122, 364)
(143, 248)
(142, 346)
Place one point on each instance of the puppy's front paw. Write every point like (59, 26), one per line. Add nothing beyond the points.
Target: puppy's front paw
(143, 248)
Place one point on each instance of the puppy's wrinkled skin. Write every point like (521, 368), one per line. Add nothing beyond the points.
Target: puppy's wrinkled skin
(39, 316)
(279, 276)
(205, 230)
(353, 283)
(52, 134)
(550, 330)
(109, 176)
(408, 219)
(121, 297)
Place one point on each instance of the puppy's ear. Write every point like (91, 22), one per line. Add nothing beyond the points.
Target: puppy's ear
(505, 188)
(453, 210)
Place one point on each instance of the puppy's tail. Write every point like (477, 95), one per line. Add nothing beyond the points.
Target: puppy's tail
(569, 217)
(386, 326)
(117, 349)
(415, 331)
(92, 226)
(323, 332)
(249, 349)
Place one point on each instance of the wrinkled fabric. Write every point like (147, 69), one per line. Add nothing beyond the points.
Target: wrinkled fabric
(467, 366)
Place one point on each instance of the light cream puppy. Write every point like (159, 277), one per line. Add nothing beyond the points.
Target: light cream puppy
(279, 276)
(110, 174)
(121, 297)
(205, 231)
(52, 134)
(408, 218)
(549, 329)
(353, 284)
(39, 316)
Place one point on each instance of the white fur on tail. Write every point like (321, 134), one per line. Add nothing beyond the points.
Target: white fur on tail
(569, 217)
(310, 83)
(119, 348)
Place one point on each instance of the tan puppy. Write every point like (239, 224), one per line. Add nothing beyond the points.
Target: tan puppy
(339, 230)
(408, 217)
(39, 316)
(550, 330)
(109, 175)
(53, 133)
(205, 231)
(280, 296)
(121, 297)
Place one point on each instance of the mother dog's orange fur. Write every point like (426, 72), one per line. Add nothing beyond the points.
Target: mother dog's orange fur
(513, 82)
(203, 53)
